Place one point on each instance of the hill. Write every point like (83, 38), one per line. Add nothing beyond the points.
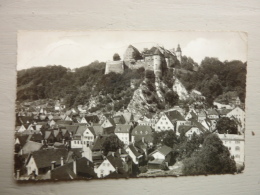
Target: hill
(89, 86)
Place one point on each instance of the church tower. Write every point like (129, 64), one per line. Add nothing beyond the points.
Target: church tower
(178, 53)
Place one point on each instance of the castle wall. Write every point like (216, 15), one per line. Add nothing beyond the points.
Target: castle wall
(114, 66)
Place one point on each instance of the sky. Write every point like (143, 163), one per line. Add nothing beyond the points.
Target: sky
(73, 49)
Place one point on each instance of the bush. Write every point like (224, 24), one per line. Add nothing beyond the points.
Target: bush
(143, 169)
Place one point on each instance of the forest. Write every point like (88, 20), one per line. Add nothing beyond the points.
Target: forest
(213, 78)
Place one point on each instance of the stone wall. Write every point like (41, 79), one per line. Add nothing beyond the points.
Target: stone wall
(114, 66)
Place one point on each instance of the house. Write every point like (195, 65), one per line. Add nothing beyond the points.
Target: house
(119, 119)
(212, 114)
(98, 130)
(78, 169)
(188, 131)
(36, 137)
(21, 139)
(136, 156)
(123, 132)
(97, 146)
(223, 112)
(41, 161)
(235, 145)
(220, 105)
(72, 129)
(65, 134)
(160, 156)
(202, 115)
(109, 165)
(58, 135)
(170, 121)
(142, 133)
(191, 114)
(239, 114)
(84, 135)
(108, 122)
(49, 137)
(164, 123)
(20, 129)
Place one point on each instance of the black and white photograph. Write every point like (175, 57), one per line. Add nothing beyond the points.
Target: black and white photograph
(129, 104)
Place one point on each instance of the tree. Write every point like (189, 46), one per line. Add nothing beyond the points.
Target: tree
(226, 125)
(116, 57)
(112, 143)
(212, 158)
(171, 98)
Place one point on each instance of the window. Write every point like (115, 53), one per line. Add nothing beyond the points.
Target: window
(237, 142)
(237, 148)
(74, 142)
(237, 156)
(229, 148)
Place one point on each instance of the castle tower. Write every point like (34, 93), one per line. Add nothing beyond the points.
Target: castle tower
(157, 63)
(178, 53)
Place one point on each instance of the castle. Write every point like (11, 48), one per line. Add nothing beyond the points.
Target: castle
(156, 59)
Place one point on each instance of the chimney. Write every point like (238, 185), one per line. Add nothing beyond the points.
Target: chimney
(53, 165)
(42, 141)
(88, 163)
(61, 161)
(119, 150)
(74, 167)
(113, 154)
(143, 139)
(63, 141)
(18, 174)
(117, 169)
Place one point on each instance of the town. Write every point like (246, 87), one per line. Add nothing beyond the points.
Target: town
(53, 141)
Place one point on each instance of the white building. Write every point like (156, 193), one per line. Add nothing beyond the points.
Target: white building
(239, 114)
(123, 133)
(84, 136)
(236, 146)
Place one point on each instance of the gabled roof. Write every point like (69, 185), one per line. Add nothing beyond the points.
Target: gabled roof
(157, 52)
(134, 150)
(80, 130)
(175, 115)
(64, 131)
(47, 134)
(184, 128)
(22, 139)
(115, 161)
(147, 138)
(123, 128)
(198, 125)
(128, 116)
(165, 150)
(31, 146)
(119, 119)
(92, 118)
(56, 132)
(72, 128)
(43, 158)
(37, 137)
(98, 130)
(26, 119)
(141, 130)
(99, 142)
(212, 112)
(224, 111)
